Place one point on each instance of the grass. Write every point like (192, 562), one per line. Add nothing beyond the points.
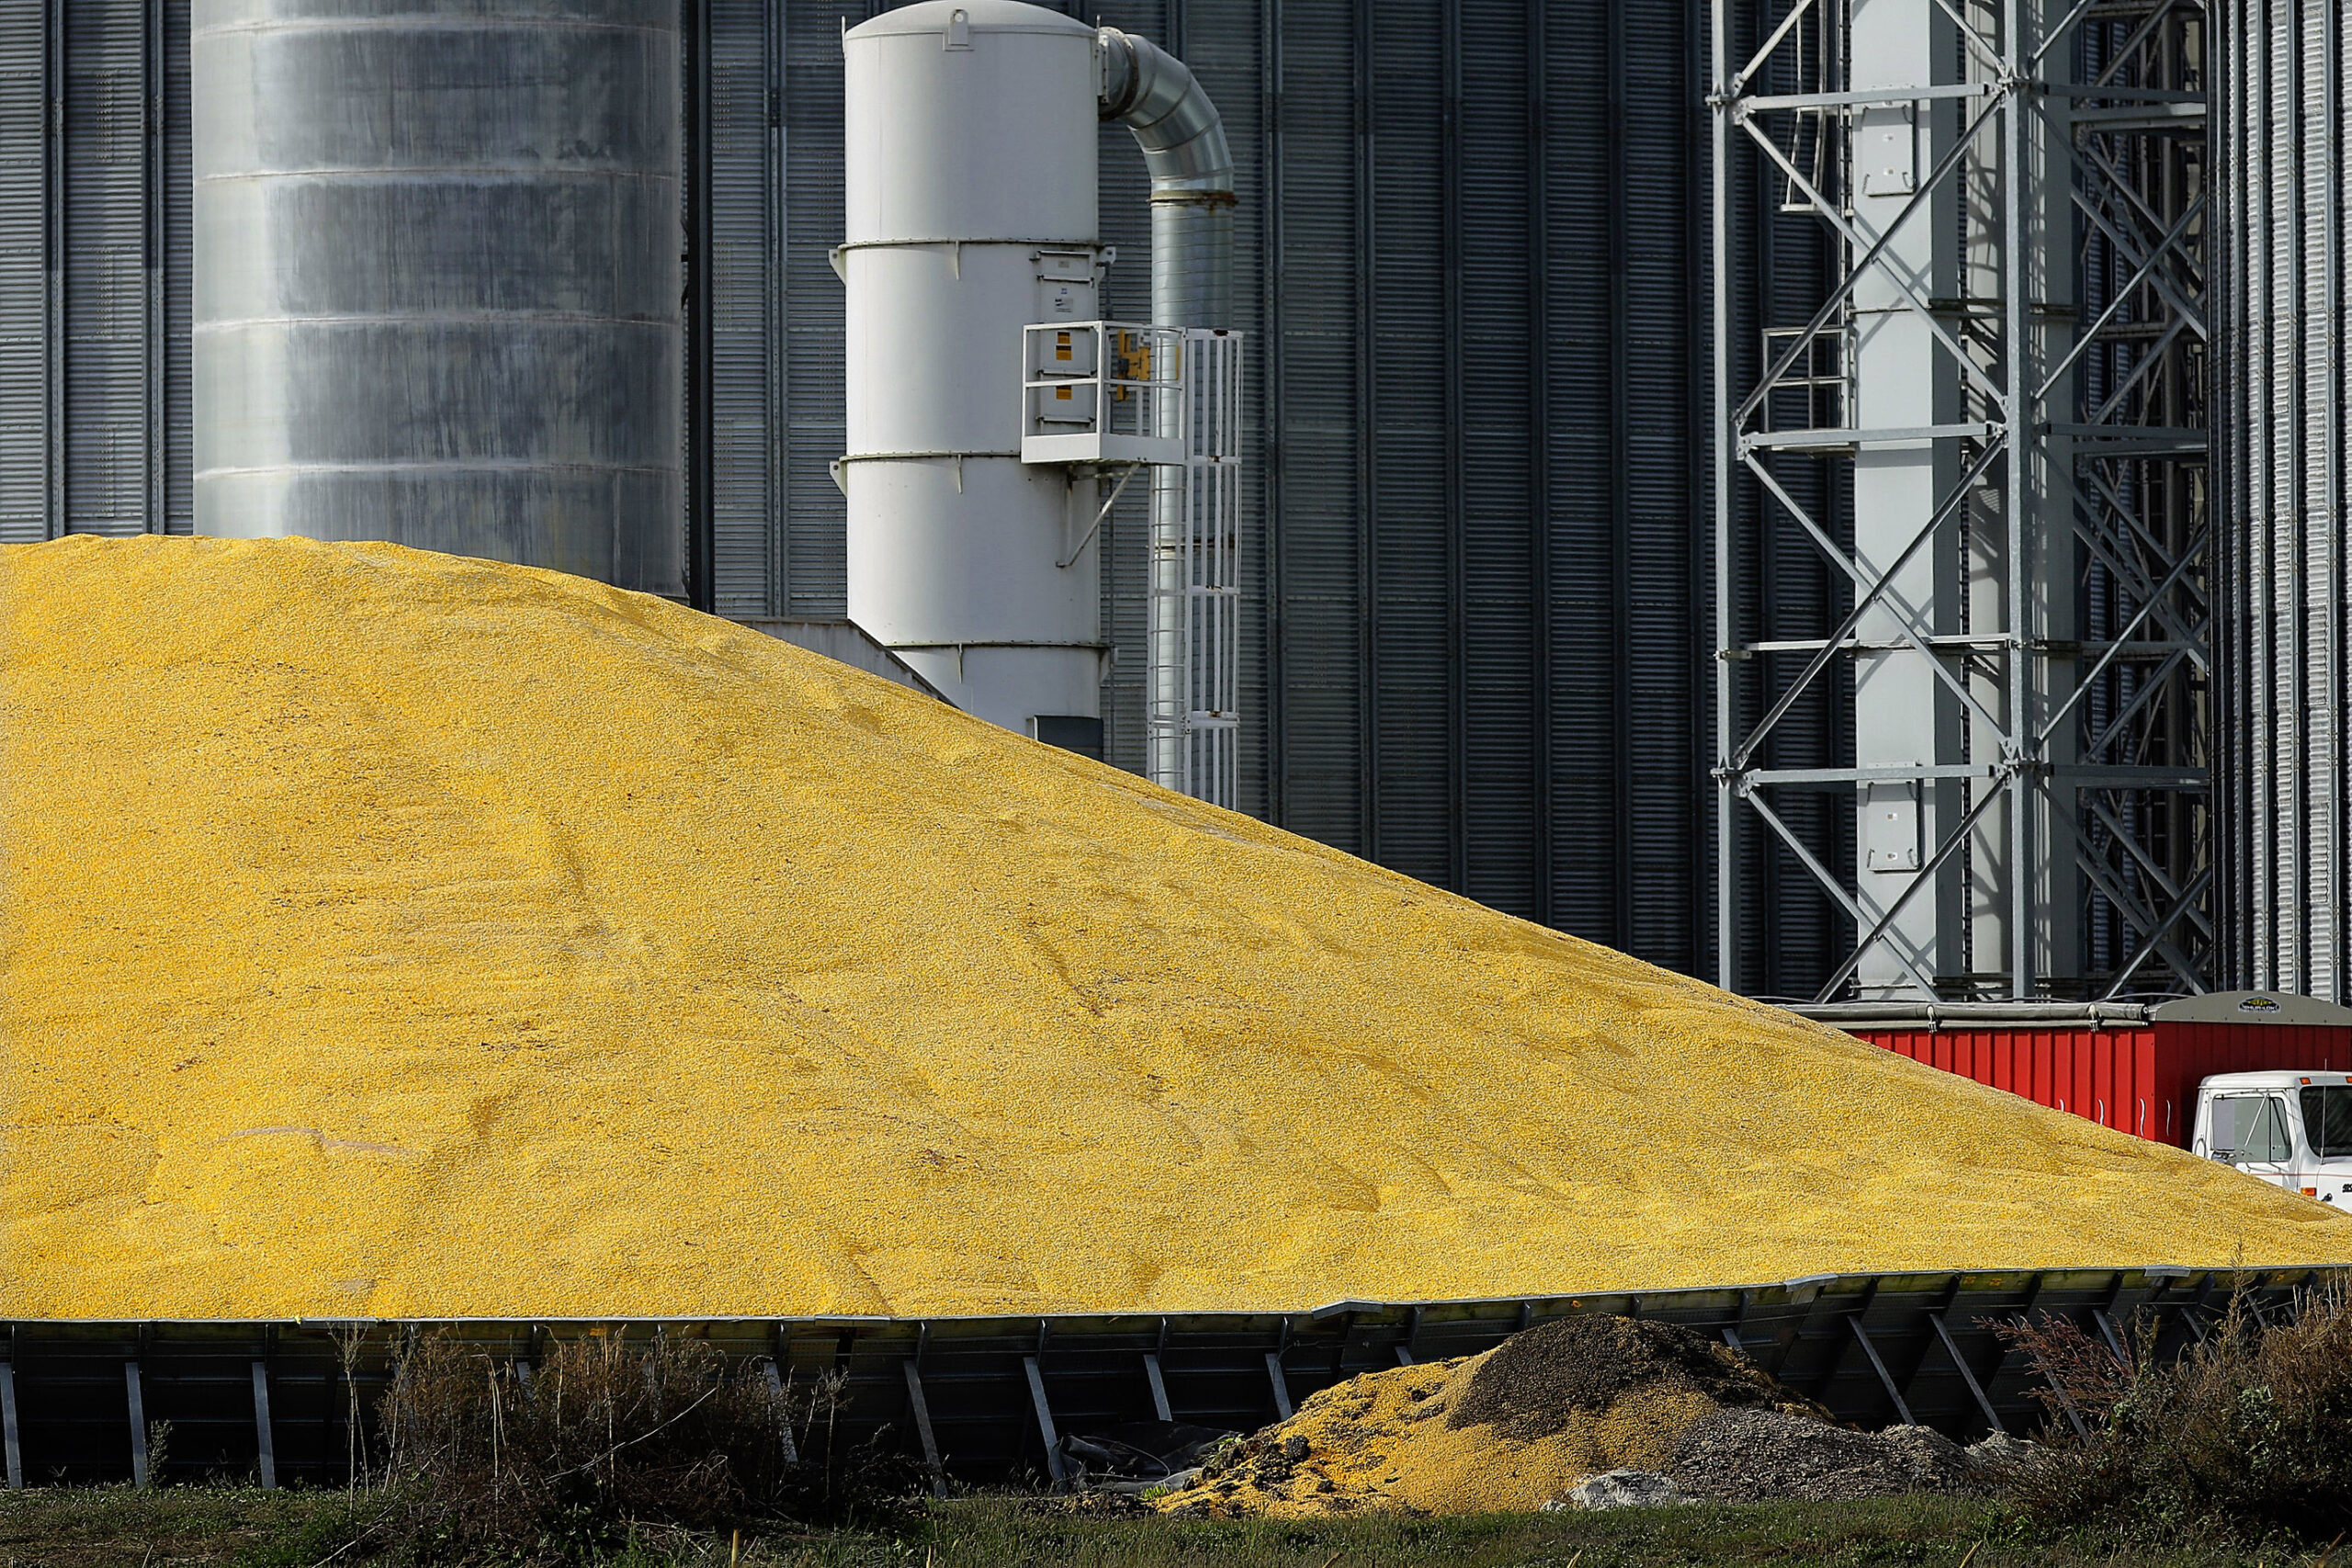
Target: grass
(71, 1527)
(222, 1527)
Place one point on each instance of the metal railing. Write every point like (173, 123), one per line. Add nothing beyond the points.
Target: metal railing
(1102, 392)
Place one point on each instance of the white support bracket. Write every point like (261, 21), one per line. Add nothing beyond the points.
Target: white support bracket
(1077, 546)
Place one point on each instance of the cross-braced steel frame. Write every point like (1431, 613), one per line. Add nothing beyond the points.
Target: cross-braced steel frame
(2019, 622)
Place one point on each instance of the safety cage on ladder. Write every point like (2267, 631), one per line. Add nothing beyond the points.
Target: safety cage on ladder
(1170, 398)
(1195, 627)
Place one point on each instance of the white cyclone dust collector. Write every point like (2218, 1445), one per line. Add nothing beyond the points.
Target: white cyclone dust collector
(994, 416)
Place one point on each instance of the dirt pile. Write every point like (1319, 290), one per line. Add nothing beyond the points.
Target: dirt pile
(390, 934)
(1509, 1429)
(1527, 1385)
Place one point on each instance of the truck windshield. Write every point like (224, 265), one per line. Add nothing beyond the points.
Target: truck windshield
(2327, 1121)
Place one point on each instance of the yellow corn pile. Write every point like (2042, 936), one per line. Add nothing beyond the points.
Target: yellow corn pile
(391, 933)
(1381, 1441)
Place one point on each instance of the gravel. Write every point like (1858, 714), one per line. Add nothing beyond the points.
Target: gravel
(1745, 1456)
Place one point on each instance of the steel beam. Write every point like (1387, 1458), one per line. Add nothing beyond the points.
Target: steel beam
(1893, 1393)
(775, 1391)
(139, 1477)
(1280, 1379)
(1046, 1428)
(1967, 1375)
(1152, 1374)
(2036, 448)
(265, 1434)
(10, 1438)
(919, 1409)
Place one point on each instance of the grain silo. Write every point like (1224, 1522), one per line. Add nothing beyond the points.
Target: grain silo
(436, 278)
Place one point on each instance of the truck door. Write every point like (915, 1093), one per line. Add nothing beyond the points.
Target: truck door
(2250, 1133)
(2327, 1135)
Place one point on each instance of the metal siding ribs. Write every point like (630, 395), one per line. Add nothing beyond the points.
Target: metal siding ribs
(24, 354)
(1316, 431)
(171, 265)
(94, 268)
(1410, 504)
(1451, 437)
(2281, 72)
(1442, 629)
(89, 266)
(746, 359)
(1363, 218)
(814, 517)
(698, 193)
(1614, 134)
(1498, 640)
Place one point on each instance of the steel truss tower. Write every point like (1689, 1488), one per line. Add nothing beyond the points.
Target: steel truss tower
(1989, 434)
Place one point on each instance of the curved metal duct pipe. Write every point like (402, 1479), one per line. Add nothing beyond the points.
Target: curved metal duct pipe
(1152, 94)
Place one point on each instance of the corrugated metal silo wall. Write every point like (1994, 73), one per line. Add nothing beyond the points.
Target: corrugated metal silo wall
(94, 267)
(1472, 243)
(2282, 75)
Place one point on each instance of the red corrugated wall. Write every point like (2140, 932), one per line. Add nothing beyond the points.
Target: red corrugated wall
(2141, 1080)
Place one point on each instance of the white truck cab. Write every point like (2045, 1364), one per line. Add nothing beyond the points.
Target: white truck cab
(2293, 1130)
